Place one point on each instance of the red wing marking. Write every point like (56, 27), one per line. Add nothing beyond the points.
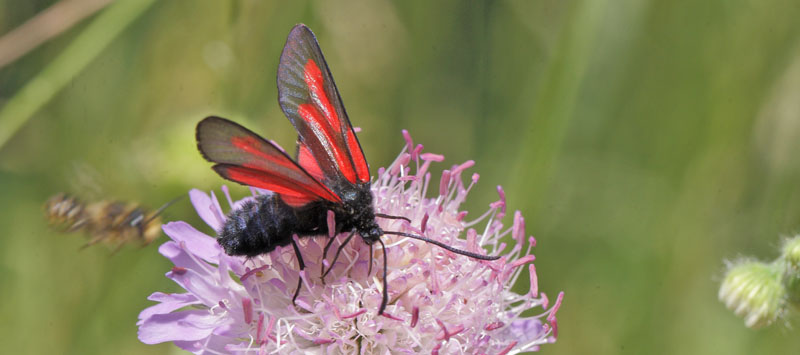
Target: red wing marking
(315, 81)
(252, 145)
(322, 129)
(307, 161)
(358, 157)
(287, 188)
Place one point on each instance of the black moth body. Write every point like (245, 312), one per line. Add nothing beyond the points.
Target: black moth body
(267, 222)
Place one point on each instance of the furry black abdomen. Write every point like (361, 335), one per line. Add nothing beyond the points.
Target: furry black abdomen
(266, 223)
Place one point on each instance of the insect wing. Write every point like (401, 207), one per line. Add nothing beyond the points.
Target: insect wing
(244, 157)
(327, 147)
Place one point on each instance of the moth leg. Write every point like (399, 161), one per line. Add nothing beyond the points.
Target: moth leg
(302, 267)
(369, 272)
(324, 256)
(338, 251)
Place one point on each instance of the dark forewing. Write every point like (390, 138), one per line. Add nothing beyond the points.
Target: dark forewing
(244, 157)
(309, 98)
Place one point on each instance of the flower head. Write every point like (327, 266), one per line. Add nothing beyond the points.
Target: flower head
(753, 290)
(439, 302)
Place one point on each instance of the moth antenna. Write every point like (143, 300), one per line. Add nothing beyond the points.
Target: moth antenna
(385, 299)
(161, 209)
(388, 216)
(338, 251)
(445, 246)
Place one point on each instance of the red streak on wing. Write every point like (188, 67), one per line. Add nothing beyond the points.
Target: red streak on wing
(362, 169)
(307, 161)
(285, 187)
(315, 82)
(251, 145)
(295, 201)
(310, 114)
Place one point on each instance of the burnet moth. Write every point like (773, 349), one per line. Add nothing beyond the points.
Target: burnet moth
(330, 172)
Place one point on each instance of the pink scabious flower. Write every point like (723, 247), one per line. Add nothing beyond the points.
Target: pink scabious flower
(439, 302)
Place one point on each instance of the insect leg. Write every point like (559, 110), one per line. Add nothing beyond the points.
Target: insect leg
(324, 256)
(302, 266)
(338, 251)
(370, 260)
(385, 299)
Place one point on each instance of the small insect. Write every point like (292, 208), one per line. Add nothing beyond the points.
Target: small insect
(330, 173)
(113, 223)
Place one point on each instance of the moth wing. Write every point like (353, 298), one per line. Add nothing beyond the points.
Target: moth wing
(244, 157)
(327, 143)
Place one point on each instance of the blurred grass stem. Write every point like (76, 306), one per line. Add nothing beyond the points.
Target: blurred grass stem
(58, 73)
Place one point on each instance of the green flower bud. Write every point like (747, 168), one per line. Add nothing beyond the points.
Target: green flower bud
(754, 290)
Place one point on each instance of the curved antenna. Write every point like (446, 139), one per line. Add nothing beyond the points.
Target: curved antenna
(385, 299)
(158, 211)
(388, 216)
(445, 246)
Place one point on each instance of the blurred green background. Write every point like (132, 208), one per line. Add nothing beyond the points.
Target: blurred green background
(644, 141)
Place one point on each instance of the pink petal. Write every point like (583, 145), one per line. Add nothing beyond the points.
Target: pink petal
(169, 303)
(206, 208)
(198, 242)
(186, 325)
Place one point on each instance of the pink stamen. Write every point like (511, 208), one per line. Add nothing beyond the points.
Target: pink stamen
(356, 314)
(331, 224)
(414, 316)
(545, 301)
(259, 327)
(177, 270)
(532, 241)
(448, 334)
(409, 141)
(323, 341)
(507, 348)
(222, 305)
(270, 325)
(552, 317)
(523, 260)
(534, 281)
(502, 197)
(461, 215)
(518, 231)
(475, 178)
(466, 165)
(388, 315)
(408, 178)
(424, 223)
(402, 161)
(472, 237)
(444, 183)
(494, 325)
(357, 129)
(432, 157)
(253, 272)
(435, 350)
(415, 153)
(247, 308)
